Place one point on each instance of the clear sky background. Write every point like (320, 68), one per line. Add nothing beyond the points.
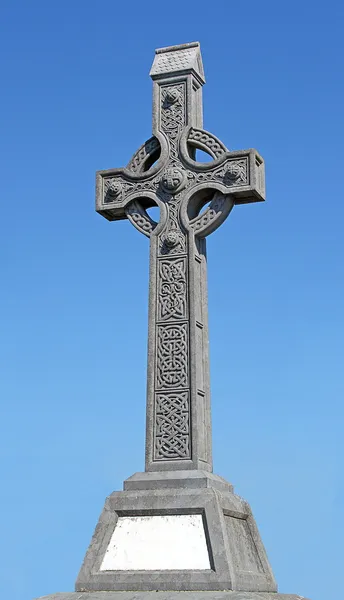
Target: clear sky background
(76, 97)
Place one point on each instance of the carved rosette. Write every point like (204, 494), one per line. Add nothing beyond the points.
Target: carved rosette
(173, 180)
(172, 242)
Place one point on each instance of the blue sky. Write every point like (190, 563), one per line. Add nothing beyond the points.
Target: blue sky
(76, 97)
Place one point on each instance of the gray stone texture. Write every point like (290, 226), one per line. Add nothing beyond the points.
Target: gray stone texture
(164, 173)
(237, 556)
(226, 595)
(178, 478)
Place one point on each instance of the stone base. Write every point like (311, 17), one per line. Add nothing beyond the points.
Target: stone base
(171, 596)
(178, 480)
(180, 531)
(180, 535)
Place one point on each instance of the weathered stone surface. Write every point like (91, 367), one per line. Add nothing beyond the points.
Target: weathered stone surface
(178, 391)
(226, 595)
(176, 480)
(236, 554)
(178, 486)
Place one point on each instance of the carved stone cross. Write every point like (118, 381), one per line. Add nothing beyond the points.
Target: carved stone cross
(164, 173)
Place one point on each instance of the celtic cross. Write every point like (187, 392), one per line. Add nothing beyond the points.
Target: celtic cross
(164, 173)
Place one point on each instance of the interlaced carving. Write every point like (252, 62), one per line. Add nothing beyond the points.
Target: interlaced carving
(231, 173)
(115, 188)
(173, 209)
(172, 426)
(172, 115)
(206, 141)
(172, 353)
(172, 289)
(139, 218)
(173, 227)
(137, 162)
(172, 107)
(216, 207)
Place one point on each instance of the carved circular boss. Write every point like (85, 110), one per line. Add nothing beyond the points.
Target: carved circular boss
(173, 180)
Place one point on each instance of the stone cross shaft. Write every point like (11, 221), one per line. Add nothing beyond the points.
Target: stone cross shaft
(164, 173)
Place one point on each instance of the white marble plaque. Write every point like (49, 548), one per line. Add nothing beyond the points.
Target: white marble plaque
(163, 542)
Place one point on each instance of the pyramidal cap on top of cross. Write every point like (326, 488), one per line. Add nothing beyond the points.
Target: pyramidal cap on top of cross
(178, 60)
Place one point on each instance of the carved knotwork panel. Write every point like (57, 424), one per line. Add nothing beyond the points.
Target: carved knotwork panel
(172, 240)
(172, 295)
(172, 116)
(172, 426)
(172, 356)
(172, 111)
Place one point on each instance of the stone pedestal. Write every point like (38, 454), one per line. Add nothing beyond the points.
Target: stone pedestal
(176, 535)
(184, 532)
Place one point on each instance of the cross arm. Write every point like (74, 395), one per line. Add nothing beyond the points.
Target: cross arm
(128, 192)
(244, 176)
(240, 173)
(116, 188)
(235, 177)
